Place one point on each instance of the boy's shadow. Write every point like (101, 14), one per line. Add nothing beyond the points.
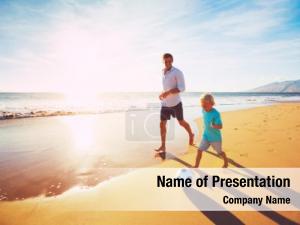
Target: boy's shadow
(217, 217)
(277, 191)
(222, 217)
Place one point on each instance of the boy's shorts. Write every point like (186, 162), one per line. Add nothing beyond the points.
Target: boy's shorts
(204, 145)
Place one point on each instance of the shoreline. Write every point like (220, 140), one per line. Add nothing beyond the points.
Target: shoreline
(11, 116)
(45, 114)
(40, 113)
(262, 137)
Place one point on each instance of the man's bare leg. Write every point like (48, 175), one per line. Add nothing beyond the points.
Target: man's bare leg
(163, 133)
(198, 158)
(187, 127)
(223, 155)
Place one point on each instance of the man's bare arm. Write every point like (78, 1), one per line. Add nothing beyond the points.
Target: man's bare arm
(172, 91)
(166, 93)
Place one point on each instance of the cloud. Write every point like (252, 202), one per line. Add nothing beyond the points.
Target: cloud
(117, 45)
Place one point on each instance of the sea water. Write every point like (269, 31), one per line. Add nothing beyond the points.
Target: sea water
(23, 105)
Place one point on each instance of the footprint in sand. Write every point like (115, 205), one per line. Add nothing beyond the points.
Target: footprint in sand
(244, 155)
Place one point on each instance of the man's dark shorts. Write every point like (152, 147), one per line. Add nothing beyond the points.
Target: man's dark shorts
(174, 111)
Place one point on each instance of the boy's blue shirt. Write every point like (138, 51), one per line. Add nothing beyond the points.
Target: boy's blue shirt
(212, 117)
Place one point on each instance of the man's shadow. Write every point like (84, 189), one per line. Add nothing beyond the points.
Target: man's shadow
(223, 217)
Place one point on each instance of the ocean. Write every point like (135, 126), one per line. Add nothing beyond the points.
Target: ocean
(25, 105)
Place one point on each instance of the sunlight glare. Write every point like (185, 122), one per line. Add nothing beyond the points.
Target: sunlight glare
(82, 133)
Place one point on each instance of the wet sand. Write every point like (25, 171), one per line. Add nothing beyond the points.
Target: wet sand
(260, 137)
(48, 156)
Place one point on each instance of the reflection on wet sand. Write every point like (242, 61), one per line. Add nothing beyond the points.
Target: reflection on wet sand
(48, 156)
(46, 175)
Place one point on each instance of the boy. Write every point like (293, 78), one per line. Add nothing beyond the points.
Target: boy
(212, 130)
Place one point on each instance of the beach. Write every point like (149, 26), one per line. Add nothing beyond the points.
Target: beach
(149, 113)
(260, 137)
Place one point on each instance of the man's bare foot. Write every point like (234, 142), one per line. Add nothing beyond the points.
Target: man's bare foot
(191, 141)
(160, 149)
(225, 165)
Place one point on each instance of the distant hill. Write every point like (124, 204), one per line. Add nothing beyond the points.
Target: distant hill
(284, 86)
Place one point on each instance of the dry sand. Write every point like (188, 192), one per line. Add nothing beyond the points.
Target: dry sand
(261, 137)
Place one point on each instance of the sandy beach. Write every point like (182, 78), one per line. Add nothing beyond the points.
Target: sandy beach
(266, 137)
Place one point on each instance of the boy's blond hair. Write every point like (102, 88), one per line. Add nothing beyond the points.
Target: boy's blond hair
(208, 97)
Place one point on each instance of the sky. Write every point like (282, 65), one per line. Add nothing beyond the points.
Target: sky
(110, 45)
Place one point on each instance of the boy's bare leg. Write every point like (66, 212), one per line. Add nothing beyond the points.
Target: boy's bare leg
(163, 133)
(223, 155)
(187, 127)
(198, 158)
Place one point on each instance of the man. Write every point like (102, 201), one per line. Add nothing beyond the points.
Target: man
(173, 84)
